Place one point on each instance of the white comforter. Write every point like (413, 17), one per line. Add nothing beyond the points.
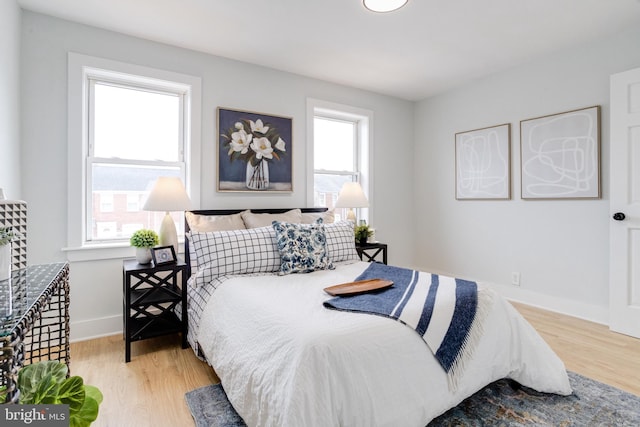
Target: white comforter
(285, 360)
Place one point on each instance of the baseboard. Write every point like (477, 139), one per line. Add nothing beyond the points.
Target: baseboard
(95, 328)
(590, 312)
(584, 311)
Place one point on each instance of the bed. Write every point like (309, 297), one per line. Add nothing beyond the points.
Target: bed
(284, 359)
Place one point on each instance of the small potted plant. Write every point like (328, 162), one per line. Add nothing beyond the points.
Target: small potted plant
(362, 233)
(143, 240)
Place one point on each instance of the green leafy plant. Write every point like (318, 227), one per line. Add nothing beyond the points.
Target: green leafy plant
(362, 232)
(144, 239)
(6, 235)
(46, 382)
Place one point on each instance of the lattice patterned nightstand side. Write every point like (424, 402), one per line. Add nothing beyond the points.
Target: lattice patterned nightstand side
(151, 296)
(370, 251)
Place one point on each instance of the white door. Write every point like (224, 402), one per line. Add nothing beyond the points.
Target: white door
(624, 275)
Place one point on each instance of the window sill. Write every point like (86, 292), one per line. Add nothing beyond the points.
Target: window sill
(105, 251)
(99, 252)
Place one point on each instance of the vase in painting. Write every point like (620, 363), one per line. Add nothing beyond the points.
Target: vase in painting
(257, 177)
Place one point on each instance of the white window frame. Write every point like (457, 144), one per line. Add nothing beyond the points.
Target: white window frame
(81, 68)
(137, 83)
(364, 153)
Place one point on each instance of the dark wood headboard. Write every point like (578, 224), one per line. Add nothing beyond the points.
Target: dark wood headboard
(231, 212)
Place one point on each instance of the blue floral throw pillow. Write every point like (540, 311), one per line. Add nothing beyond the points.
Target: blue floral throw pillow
(302, 247)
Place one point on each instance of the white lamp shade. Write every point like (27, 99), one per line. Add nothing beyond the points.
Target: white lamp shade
(168, 194)
(351, 196)
(384, 5)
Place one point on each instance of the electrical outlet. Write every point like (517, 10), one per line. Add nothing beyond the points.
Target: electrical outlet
(515, 278)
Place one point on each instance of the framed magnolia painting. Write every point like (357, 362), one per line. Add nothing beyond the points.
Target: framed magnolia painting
(254, 152)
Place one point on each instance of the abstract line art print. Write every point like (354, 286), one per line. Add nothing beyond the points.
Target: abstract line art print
(560, 155)
(483, 168)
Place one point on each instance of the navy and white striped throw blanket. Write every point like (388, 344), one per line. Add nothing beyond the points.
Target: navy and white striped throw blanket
(442, 310)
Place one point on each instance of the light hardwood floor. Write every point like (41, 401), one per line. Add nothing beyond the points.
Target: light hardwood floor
(588, 348)
(149, 391)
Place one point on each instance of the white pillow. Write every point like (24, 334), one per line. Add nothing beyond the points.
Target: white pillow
(341, 242)
(255, 220)
(220, 253)
(310, 217)
(202, 223)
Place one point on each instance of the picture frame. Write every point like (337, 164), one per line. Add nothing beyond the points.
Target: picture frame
(560, 155)
(254, 152)
(163, 255)
(483, 163)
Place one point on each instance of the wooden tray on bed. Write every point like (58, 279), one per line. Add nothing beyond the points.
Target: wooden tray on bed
(359, 287)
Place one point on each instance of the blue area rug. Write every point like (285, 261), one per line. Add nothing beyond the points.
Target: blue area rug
(503, 403)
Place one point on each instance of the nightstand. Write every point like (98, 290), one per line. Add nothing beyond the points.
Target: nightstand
(369, 251)
(151, 296)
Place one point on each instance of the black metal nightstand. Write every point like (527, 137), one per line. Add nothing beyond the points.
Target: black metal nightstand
(151, 295)
(369, 251)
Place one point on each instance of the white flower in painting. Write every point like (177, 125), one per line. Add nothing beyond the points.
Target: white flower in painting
(240, 142)
(258, 126)
(280, 145)
(239, 125)
(262, 147)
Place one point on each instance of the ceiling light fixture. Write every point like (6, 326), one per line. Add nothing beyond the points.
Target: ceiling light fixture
(384, 5)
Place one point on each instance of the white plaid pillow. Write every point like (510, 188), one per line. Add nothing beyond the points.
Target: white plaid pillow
(341, 242)
(220, 253)
(203, 223)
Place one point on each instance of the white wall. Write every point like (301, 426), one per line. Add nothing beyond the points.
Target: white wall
(96, 285)
(561, 248)
(10, 99)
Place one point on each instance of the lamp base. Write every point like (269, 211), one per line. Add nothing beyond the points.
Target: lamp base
(351, 215)
(168, 234)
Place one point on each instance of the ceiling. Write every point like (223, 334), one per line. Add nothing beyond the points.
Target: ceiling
(425, 48)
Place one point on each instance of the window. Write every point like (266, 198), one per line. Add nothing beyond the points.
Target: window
(134, 202)
(106, 230)
(135, 136)
(105, 200)
(340, 136)
(128, 125)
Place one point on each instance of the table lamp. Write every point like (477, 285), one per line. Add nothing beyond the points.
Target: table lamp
(168, 194)
(351, 196)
